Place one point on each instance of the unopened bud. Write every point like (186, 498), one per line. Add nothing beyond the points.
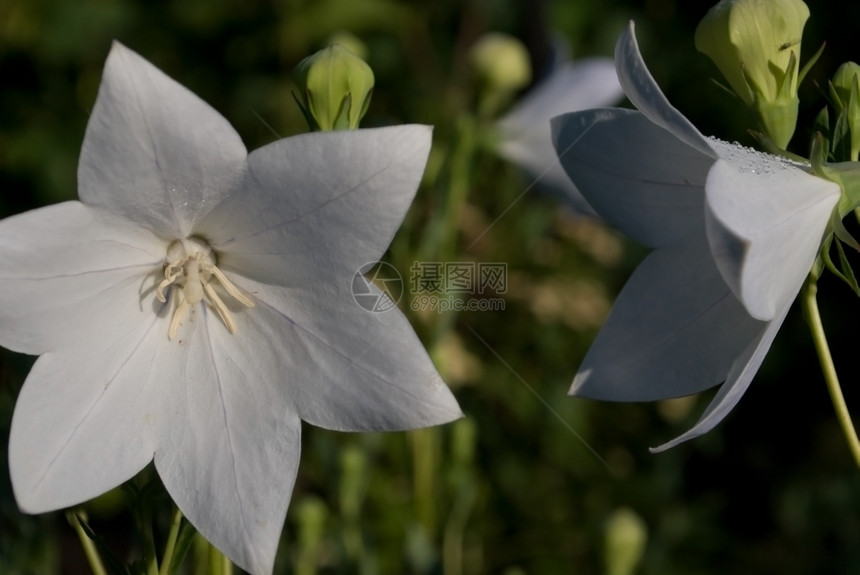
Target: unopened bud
(335, 87)
(756, 45)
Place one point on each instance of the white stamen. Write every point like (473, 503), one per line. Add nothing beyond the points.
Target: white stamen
(188, 269)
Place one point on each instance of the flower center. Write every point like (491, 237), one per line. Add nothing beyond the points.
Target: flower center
(191, 273)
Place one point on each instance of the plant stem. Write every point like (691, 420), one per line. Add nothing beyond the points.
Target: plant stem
(89, 546)
(816, 328)
(218, 562)
(170, 546)
(425, 448)
(152, 563)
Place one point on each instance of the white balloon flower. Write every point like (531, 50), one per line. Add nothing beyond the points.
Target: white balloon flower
(194, 306)
(735, 232)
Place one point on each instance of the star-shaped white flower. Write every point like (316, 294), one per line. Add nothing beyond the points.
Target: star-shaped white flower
(195, 305)
(524, 132)
(734, 232)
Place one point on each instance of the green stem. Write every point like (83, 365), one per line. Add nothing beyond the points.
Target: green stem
(459, 185)
(424, 463)
(170, 546)
(89, 546)
(218, 562)
(152, 563)
(813, 318)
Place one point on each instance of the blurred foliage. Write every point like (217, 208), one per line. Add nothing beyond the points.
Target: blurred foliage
(509, 489)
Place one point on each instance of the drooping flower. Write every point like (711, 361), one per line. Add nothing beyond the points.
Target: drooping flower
(734, 232)
(524, 132)
(194, 306)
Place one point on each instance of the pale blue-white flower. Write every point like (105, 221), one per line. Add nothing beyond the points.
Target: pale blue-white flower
(194, 306)
(734, 232)
(524, 132)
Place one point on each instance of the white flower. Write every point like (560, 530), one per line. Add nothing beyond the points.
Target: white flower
(195, 305)
(735, 232)
(524, 133)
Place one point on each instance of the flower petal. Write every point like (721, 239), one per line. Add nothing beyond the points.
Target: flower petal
(525, 131)
(637, 176)
(574, 86)
(87, 417)
(71, 273)
(675, 329)
(154, 152)
(741, 375)
(317, 202)
(645, 94)
(229, 451)
(765, 221)
(346, 368)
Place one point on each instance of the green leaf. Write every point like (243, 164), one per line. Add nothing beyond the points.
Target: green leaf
(183, 544)
(113, 564)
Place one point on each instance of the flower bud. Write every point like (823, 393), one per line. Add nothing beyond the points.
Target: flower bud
(501, 62)
(624, 543)
(756, 45)
(335, 87)
(845, 90)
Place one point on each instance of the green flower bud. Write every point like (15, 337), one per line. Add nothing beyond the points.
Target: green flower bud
(845, 91)
(756, 45)
(624, 543)
(501, 62)
(335, 87)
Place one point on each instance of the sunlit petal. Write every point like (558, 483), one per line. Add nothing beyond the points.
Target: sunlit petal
(153, 151)
(765, 224)
(296, 218)
(350, 369)
(70, 273)
(229, 447)
(645, 94)
(88, 417)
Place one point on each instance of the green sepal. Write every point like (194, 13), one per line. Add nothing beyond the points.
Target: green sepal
(821, 128)
(809, 64)
(844, 272)
(840, 145)
(788, 89)
(847, 175)
(846, 269)
(767, 145)
(312, 124)
(778, 118)
(853, 116)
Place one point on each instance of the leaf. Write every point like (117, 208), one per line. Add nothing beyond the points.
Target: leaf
(183, 544)
(114, 565)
